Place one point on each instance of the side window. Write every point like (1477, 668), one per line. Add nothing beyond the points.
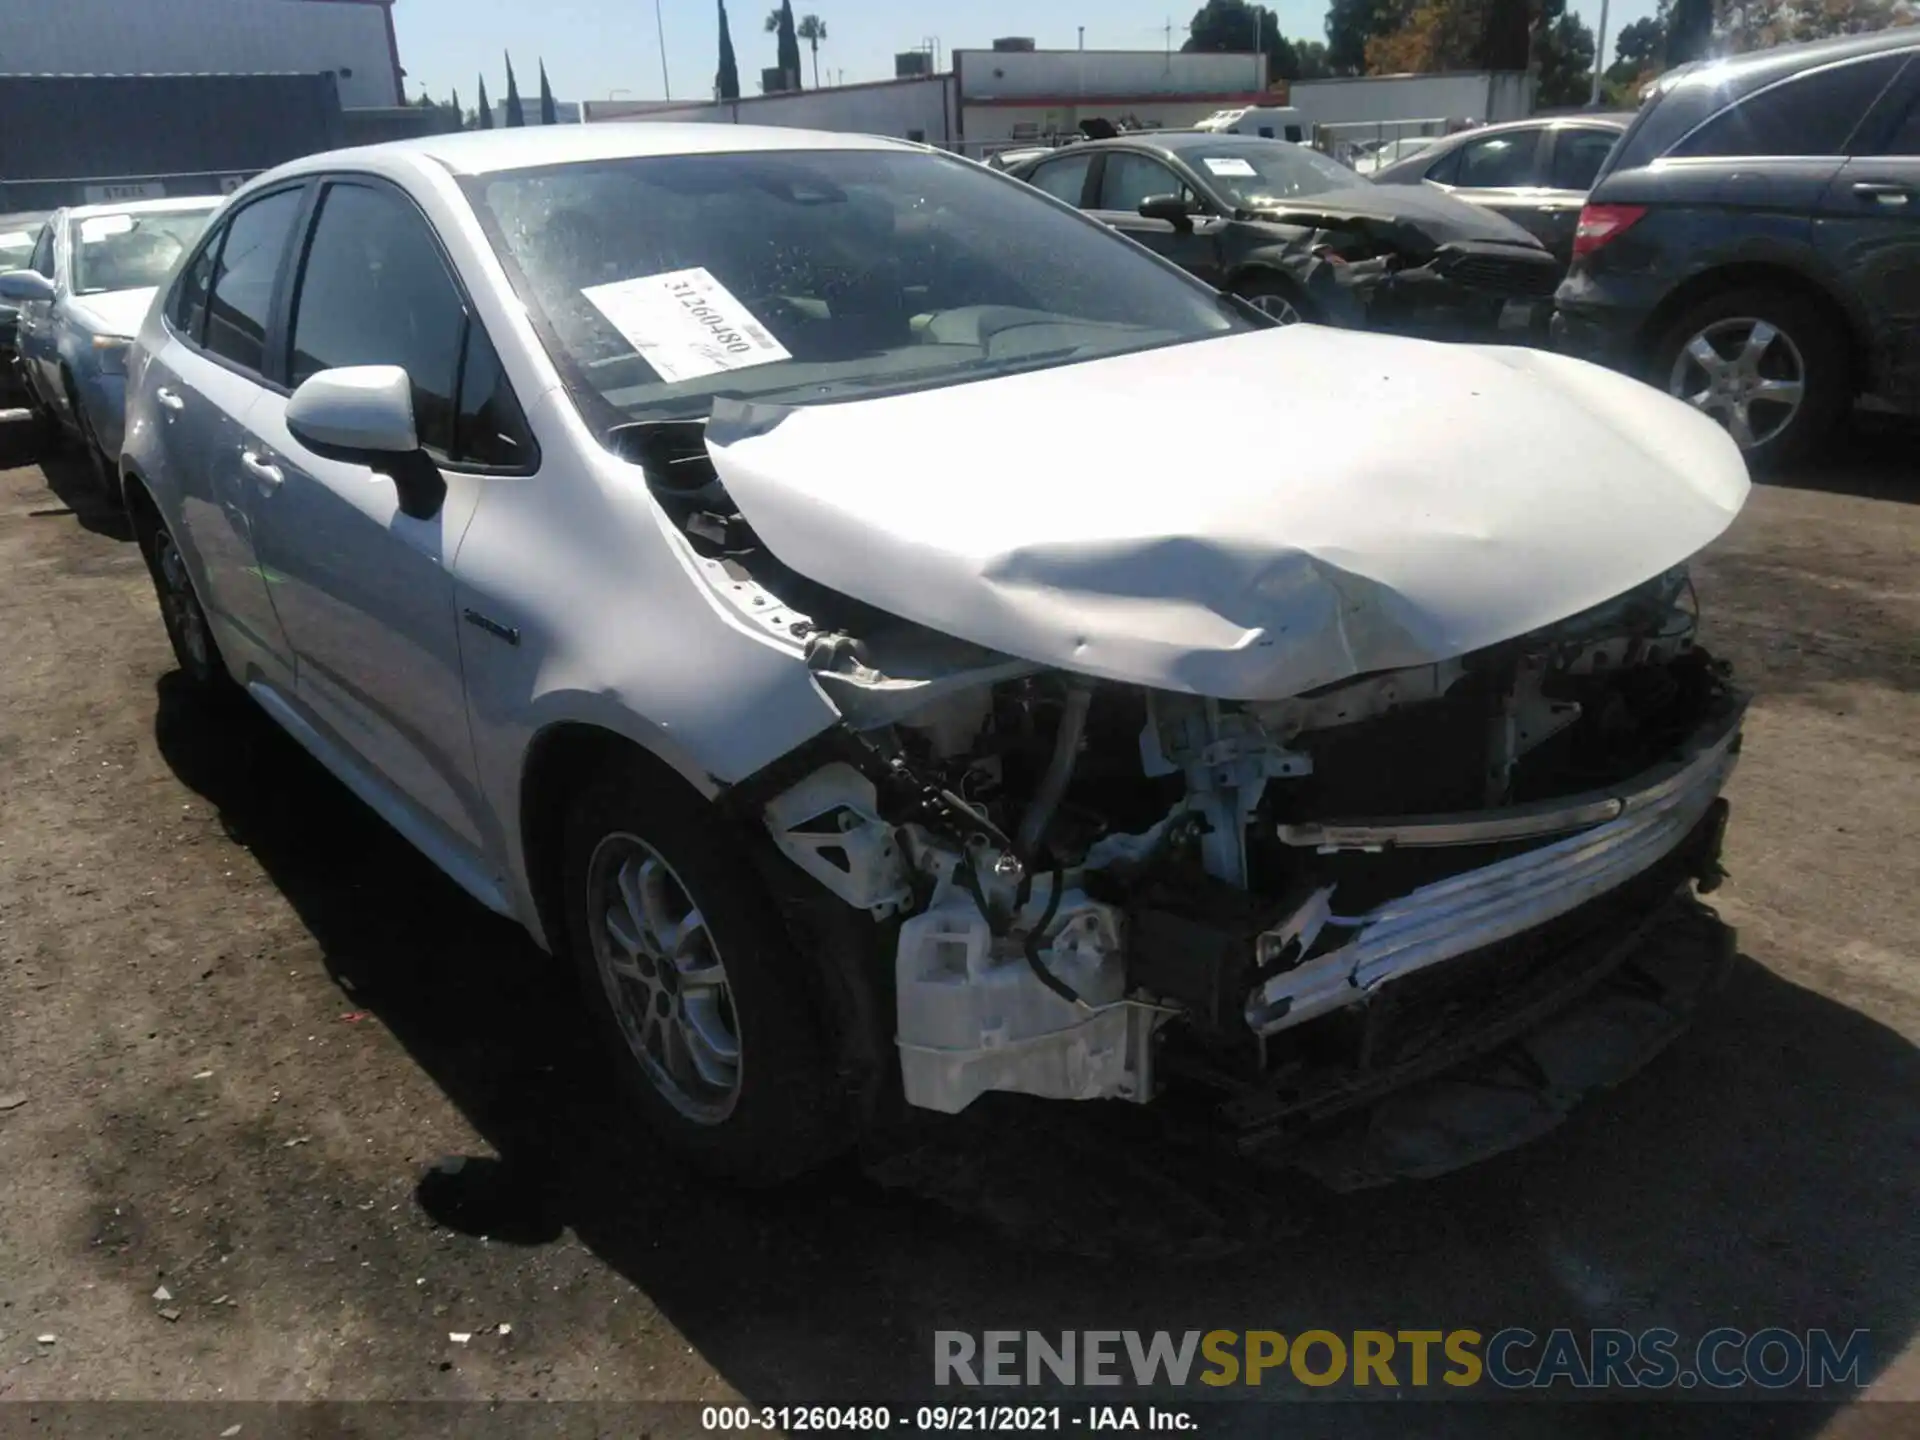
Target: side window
(1064, 179)
(1129, 179)
(1810, 114)
(42, 261)
(1497, 162)
(187, 306)
(241, 294)
(375, 290)
(1578, 156)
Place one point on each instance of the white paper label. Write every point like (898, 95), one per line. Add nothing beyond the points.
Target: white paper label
(101, 227)
(686, 324)
(1230, 165)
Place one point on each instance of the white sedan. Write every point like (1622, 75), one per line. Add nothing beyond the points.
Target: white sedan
(901, 641)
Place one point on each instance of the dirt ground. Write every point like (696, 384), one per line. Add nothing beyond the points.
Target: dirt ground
(243, 1028)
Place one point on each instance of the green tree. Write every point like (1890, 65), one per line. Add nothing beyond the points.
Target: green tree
(516, 117)
(1635, 49)
(780, 25)
(1235, 26)
(1351, 24)
(813, 30)
(486, 110)
(1689, 31)
(1562, 57)
(726, 81)
(549, 112)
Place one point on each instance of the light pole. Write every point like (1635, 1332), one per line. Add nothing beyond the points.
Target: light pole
(1599, 54)
(660, 27)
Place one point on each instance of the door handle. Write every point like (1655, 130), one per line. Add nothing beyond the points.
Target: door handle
(1883, 192)
(168, 399)
(269, 475)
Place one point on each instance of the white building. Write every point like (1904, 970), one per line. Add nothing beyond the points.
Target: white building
(565, 112)
(352, 38)
(996, 99)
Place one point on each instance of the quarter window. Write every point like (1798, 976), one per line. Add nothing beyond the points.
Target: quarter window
(42, 262)
(1810, 114)
(375, 290)
(243, 279)
(187, 308)
(1064, 179)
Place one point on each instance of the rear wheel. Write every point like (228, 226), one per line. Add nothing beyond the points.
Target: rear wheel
(1770, 366)
(180, 609)
(1276, 297)
(696, 990)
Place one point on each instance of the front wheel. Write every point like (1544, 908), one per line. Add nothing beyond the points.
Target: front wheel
(1276, 298)
(186, 620)
(694, 986)
(1770, 366)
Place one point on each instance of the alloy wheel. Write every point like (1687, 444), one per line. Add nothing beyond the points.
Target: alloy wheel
(184, 617)
(1745, 372)
(662, 973)
(1277, 306)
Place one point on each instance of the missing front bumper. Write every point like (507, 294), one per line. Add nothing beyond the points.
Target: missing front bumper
(1617, 837)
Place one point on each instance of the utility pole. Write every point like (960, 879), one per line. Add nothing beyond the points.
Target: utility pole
(1083, 37)
(660, 26)
(1599, 54)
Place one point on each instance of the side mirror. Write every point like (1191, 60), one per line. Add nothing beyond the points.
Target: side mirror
(1170, 208)
(363, 414)
(22, 286)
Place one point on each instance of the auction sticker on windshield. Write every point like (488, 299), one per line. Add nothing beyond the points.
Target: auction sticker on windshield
(1230, 165)
(685, 324)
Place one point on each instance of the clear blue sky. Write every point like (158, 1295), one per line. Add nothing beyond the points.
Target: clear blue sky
(595, 47)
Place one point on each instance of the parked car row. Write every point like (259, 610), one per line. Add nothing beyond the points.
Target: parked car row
(777, 569)
(1749, 241)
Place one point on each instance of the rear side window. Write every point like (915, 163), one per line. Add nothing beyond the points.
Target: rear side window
(241, 296)
(1063, 179)
(376, 290)
(1578, 156)
(1497, 162)
(1810, 114)
(187, 307)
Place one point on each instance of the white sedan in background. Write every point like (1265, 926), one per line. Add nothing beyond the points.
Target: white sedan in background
(901, 640)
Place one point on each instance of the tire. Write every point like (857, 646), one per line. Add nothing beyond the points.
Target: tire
(188, 630)
(104, 478)
(1276, 296)
(1752, 394)
(643, 852)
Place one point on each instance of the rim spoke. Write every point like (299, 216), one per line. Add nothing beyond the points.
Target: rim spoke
(1738, 427)
(624, 933)
(1779, 392)
(632, 894)
(1705, 356)
(708, 976)
(1702, 401)
(712, 1051)
(1758, 340)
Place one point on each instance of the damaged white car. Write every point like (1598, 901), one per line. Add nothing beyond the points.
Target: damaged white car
(904, 642)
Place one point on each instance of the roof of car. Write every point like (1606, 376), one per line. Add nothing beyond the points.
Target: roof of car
(143, 207)
(1611, 119)
(483, 152)
(1743, 73)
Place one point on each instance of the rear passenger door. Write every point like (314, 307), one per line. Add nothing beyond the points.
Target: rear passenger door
(1868, 229)
(1124, 179)
(199, 388)
(364, 589)
(1575, 154)
(1506, 172)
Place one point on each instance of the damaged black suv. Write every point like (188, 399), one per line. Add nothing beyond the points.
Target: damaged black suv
(1302, 237)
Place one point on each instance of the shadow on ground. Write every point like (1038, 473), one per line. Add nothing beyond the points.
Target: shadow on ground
(1761, 1172)
(1871, 457)
(70, 477)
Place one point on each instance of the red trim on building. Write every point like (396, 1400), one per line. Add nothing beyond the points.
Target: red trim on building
(1058, 102)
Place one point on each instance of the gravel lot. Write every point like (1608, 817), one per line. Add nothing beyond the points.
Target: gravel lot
(241, 1023)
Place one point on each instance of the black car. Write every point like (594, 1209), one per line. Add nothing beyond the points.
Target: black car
(1753, 245)
(1304, 238)
(1534, 172)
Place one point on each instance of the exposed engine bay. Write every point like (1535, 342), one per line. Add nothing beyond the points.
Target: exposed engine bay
(1085, 884)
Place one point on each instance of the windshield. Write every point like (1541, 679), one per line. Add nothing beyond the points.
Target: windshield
(17, 234)
(794, 276)
(1252, 173)
(131, 252)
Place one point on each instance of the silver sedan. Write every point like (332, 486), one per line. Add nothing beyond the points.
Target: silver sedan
(81, 297)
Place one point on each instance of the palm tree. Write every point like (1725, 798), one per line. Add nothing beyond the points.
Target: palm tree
(813, 30)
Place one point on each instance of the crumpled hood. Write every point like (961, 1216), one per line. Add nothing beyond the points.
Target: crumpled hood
(113, 312)
(1248, 517)
(1435, 213)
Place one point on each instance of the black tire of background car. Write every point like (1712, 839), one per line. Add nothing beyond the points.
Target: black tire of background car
(1815, 331)
(1252, 288)
(208, 676)
(787, 1118)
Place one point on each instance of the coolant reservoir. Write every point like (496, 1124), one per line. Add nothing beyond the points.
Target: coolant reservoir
(974, 1017)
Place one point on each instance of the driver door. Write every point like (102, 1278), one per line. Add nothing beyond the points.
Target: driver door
(1125, 178)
